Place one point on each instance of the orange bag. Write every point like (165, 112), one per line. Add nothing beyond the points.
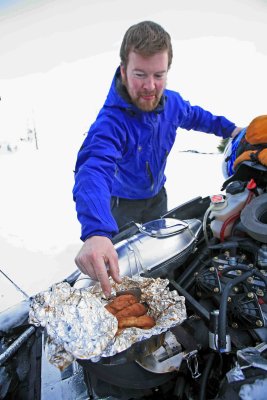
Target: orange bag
(254, 147)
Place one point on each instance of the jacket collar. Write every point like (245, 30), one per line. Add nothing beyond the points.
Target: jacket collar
(119, 97)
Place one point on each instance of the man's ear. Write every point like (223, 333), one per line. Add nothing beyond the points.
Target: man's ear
(123, 72)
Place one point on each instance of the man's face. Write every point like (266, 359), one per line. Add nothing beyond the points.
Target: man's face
(145, 78)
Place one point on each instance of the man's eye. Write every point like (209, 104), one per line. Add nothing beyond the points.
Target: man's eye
(139, 75)
(159, 76)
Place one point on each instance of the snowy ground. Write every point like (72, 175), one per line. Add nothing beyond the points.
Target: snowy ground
(54, 78)
(39, 232)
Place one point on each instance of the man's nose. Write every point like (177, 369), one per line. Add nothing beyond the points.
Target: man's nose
(149, 83)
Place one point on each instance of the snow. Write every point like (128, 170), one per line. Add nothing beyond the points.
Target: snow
(60, 97)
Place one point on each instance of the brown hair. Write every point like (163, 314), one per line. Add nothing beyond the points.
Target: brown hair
(146, 38)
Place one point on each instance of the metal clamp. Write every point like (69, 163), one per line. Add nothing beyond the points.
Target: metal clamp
(192, 363)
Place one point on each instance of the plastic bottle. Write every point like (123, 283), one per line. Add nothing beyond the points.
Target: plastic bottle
(236, 196)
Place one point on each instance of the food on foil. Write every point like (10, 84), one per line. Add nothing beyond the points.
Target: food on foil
(135, 310)
(143, 322)
(74, 319)
(130, 313)
(121, 302)
(80, 325)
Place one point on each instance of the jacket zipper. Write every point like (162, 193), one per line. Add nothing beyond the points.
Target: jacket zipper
(148, 169)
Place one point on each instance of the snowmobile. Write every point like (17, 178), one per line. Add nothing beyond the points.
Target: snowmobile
(213, 252)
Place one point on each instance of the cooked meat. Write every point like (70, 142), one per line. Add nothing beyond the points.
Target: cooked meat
(135, 310)
(144, 322)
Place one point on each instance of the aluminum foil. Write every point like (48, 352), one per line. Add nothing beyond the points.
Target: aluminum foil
(79, 327)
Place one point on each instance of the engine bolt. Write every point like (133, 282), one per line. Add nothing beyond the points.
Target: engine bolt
(196, 274)
(216, 290)
(234, 325)
(250, 279)
(235, 289)
(215, 258)
(250, 265)
(229, 299)
(250, 295)
(212, 269)
(260, 292)
(259, 323)
(238, 272)
(220, 268)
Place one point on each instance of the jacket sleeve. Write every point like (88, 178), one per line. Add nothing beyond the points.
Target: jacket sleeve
(198, 119)
(94, 173)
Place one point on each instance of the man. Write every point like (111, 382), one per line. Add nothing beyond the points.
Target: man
(119, 174)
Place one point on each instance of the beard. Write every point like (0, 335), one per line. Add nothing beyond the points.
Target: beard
(146, 105)
(139, 101)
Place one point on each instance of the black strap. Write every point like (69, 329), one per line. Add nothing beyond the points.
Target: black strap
(255, 156)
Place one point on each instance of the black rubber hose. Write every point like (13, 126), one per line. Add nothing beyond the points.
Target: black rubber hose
(195, 305)
(205, 375)
(193, 266)
(223, 307)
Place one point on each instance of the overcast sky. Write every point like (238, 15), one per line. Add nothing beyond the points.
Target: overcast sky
(37, 35)
(64, 52)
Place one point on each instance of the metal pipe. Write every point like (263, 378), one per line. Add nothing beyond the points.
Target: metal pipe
(13, 348)
(200, 310)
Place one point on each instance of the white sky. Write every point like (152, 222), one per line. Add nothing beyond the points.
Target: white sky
(57, 59)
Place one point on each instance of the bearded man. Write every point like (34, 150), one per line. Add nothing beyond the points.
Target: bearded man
(119, 173)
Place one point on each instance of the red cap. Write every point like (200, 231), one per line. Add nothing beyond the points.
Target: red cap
(251, 185)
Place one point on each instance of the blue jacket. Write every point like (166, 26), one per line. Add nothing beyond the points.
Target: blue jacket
(125, 153)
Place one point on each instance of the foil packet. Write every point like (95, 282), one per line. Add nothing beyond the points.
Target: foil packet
(78, 325)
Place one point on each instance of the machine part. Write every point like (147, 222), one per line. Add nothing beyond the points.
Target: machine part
(194, 304)
(252, 357)
(197, 264)
(254, 218)
(245, 308)
(213, 333)
(129, 375)
(13, 348)
(158, 248)
(192, 363)
(208, 282)
(166, 358)
(223, 309)
(205, 375)
(262, 256)
(249, 170)
(163, 227)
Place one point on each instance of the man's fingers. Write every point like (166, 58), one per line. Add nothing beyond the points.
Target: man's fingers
(114, 270)
(95, 257)
(101, 273)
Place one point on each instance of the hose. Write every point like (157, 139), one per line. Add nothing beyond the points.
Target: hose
(223, 307)
(197, 307)
(205, 375)
(189, 272)
(205, 223)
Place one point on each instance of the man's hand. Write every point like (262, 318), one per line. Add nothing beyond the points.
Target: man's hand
(98, 259)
